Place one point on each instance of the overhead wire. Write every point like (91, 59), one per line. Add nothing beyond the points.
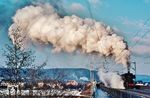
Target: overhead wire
(145, 23)
(141, 38)
(92, 17)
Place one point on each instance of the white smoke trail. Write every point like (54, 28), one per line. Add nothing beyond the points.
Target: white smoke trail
(42, 24)
(111, 79)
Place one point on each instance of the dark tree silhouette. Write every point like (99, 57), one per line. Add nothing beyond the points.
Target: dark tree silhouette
(35, 72)
(19, 58)
(16, 56)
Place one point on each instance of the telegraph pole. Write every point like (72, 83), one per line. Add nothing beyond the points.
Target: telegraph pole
(134, 69)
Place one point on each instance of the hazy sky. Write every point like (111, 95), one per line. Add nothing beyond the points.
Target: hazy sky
(131, 18)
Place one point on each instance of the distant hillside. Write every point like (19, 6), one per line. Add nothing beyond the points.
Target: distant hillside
(144, 78)
(78, 74)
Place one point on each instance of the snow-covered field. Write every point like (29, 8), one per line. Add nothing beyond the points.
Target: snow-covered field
(51, 92)
(98, 94)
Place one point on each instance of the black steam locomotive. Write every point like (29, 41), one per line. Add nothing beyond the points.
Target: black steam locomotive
(129, 80)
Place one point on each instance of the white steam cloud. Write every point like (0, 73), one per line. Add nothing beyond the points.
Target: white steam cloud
(111, 79)
(42, 24)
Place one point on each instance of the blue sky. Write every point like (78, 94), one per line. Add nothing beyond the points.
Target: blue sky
(127, 17)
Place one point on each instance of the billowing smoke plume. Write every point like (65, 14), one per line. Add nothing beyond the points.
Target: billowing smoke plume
(42, 24)
(111, 79)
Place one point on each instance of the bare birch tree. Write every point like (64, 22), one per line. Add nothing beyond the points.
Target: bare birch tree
(19, 58)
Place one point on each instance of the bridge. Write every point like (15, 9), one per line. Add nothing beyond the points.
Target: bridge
(128, 93)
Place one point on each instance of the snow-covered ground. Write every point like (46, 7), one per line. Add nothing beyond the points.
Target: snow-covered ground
(51, 92)
(99, 93)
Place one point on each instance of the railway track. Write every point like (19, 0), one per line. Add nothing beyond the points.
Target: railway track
(126, 93)
(143, 91)
(139, 93)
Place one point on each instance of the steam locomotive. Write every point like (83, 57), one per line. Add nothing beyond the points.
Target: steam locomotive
(129, 80)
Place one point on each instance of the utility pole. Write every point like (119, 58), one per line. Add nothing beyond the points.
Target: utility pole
(134, 69)
(92, 68)
(92, 78)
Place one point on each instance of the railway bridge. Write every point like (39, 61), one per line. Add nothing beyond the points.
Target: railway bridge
(127, 93)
